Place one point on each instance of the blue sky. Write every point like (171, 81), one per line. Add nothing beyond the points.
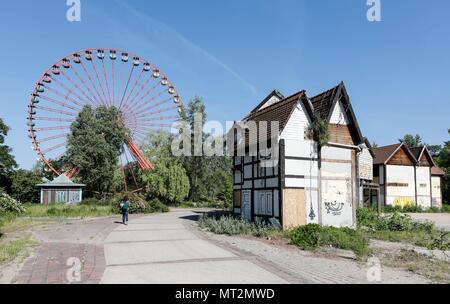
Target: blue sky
(234, 52)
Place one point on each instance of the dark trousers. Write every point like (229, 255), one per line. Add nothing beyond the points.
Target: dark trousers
(124, 216)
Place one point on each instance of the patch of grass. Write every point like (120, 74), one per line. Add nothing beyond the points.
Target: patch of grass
(398, 227)
(211, 205)
(13, 250)
(22, 224)
(229, 225)
(416, 209)
(311, 237)
(67, 211)
(436, 270)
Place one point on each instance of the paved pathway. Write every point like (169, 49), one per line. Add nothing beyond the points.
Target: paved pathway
(160, 249)
(79, 239)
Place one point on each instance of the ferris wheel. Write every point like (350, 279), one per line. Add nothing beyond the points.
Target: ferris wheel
(144, 95)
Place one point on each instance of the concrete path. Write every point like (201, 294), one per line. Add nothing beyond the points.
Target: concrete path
(162, 249)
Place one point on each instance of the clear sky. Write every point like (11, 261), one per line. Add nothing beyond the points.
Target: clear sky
(234, 52)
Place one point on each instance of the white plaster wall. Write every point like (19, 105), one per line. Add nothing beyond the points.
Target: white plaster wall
(403, 175)
(423, 187)
(437, 191)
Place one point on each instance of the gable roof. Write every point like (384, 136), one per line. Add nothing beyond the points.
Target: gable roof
(325, 103)
(384, 154)
(61, 181)
(418, 152)
(274, 93)
(436, 171)
(280, 111)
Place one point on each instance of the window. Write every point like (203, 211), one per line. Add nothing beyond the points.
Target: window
(61, 197)
(397, 185)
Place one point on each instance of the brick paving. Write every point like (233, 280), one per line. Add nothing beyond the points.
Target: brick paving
(80, 239)
(48, 265)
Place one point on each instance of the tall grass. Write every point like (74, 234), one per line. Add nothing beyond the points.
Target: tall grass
(15, 249)
(229, 225)
(69, 211)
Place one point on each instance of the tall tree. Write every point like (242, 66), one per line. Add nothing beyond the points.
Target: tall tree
(444, 162)
(169, 181)
(7, 161)
(412, 141)
(196, 166)
(94, 146)
(23, 187)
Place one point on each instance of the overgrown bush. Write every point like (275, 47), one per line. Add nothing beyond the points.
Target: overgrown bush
(314, 236)
(229, 225)
(369, 219)
(8, 204)
(398, 227)
(415, 209)
(139, 204)
(155, 205)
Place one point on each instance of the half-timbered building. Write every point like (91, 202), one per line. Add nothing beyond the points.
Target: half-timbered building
(306, 185)
(394, 171)
(407, 176)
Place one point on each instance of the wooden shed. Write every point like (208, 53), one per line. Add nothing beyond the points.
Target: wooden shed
(61, 191)
(305, 186)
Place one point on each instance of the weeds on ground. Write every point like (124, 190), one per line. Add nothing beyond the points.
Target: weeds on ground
(66, 211)
(12, 250)
(397, 227)
(416, 209)
(436, 270)
(229, 225)
(313, 236)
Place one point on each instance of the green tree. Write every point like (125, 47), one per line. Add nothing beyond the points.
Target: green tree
(196, 166)
(7, 161)
(168, 181)
(444, 162)
(94, 146)
(412, 141)
(23, 186)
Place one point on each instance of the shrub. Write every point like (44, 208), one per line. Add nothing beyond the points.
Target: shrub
(139, 205)
(8, 204)
(155, 205)
(314, 236)
(229, 225)
(391, 222)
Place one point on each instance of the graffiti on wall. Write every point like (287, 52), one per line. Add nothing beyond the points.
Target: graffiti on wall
(334, 208)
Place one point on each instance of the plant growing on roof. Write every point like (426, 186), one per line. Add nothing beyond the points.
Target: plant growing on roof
(320, 132)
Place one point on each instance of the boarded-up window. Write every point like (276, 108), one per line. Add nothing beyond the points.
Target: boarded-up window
(237, 199)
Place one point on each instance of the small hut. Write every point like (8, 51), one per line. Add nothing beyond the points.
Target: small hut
(61, 191)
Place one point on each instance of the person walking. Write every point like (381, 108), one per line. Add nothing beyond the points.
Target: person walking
(125, 206)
